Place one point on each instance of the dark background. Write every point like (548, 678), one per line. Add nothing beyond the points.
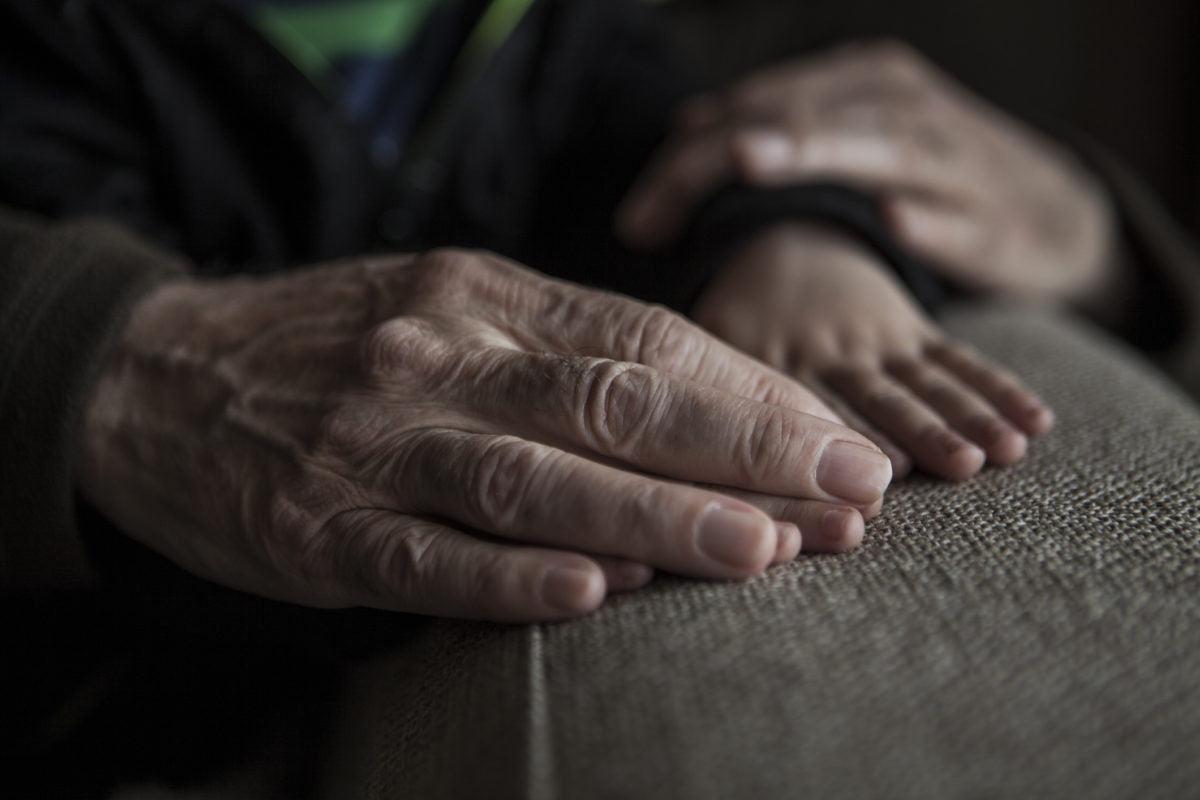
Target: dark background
(1125, 72)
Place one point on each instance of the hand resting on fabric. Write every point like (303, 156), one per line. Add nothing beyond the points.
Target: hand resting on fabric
(453, 434)
(817, 305)
(985, 201)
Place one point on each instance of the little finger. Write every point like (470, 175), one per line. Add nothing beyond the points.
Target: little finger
(403, 563)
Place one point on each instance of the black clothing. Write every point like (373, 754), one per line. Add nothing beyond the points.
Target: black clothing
(177, 119)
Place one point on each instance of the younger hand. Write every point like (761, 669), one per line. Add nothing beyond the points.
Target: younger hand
(814, 304)
(987, 201)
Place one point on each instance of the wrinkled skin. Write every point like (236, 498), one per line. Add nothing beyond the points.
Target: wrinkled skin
(453, 434)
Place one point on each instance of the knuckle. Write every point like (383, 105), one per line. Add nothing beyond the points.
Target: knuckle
(768, 389)
(505, 475)
(658, 336)
(395, 561)
(539, 382)
(399, 346)
(762, 451)
(287, 530)
(447, 274)
(615, 403)
(424, 467)
(345, 429)
(402, 564)
(295, 542)
(414, 567)
(468, 280)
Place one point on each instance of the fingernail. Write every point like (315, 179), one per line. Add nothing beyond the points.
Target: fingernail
(634, 575)
(788, 541)
(854, 473)
(568, 589)
(842, 529)
(732, 537)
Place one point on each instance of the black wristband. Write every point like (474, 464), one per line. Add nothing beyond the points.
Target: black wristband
(735, 213)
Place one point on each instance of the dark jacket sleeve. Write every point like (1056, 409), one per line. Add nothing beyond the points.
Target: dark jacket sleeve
(64, 290)
(176, 118)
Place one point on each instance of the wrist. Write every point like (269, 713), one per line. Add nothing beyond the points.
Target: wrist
(772, 269)
(120, 393)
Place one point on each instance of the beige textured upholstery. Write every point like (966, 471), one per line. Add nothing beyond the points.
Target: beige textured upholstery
(1033, 632)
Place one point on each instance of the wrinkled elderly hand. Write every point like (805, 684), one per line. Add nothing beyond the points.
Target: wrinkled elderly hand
(986, 200)
(815, 304)
(453, 434)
